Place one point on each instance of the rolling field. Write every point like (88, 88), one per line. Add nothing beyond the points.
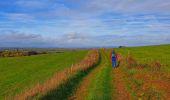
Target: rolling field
(19, 73)
(149, 77)
(146, 54)
(143, 74)
(128, 82)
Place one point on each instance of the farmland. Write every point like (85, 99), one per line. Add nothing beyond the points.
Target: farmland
(148, 75)
(146, 54)
(143, 73)
(19, 73)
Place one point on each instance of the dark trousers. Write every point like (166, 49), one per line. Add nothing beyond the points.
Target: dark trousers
(113, 62)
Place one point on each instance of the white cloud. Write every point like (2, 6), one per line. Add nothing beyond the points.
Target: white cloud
(16, 35)
(17, 16)
(137, 6)
(89, 22)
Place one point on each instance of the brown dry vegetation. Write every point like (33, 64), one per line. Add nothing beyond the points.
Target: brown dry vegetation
(148, 81)
(7, 53)
(118, 81)
(82, 90)
(119, 84)
(131, 62)
(155, 85)
(90, 60)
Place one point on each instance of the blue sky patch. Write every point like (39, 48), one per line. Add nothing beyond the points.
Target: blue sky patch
(84, 23)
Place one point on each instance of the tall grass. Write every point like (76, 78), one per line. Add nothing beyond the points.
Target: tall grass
(141, 78)
(58, 78)
(131, 62)
(64, 90)
(147, 54)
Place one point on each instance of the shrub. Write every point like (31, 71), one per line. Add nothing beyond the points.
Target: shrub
(7, 53)
(32, 53)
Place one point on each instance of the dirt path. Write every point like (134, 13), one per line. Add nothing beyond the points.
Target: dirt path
(119, 84)
(82, 91)
(47, 88)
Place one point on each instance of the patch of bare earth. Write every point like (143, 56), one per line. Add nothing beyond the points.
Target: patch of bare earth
(119, 84)
(82, 90)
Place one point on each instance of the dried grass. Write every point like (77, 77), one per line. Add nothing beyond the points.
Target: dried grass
(156, 65)
(91, 59)
(131, 62)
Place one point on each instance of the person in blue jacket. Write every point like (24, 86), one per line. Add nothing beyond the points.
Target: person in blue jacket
(113, 58)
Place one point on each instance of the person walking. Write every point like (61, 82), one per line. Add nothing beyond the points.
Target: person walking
(114, 58)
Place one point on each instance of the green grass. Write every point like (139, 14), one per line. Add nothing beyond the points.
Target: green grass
(18, 73)
(146, 54)
(64, 90)
(100, 88)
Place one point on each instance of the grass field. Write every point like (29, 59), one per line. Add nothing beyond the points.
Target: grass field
(100, 82)
(146, 54)
(146, 82)
(128, 83)
(19, 73)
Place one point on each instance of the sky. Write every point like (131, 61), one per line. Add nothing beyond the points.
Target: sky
(84, 23)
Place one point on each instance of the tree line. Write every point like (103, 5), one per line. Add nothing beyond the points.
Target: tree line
(8, 53)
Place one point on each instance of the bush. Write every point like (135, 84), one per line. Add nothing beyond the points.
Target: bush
(32, 53)
(7, 53)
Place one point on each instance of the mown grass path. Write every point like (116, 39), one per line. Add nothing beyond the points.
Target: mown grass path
(97, 84)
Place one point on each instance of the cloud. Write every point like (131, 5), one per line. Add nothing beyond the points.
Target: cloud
(20, 39)
(90, 8)
(137, 6)
(132, 40)
(74, 36)
(9, 38)
(74, 40)
(16, 35)
(15, 16)
(85, 22)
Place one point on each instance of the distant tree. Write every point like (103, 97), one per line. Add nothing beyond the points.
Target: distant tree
(32, 53)
(122, 46)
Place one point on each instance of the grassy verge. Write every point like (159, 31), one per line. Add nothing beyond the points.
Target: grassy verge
(63, 91)
(19, 73)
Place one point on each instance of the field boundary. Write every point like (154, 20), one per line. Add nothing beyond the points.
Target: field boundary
(41, 89)
(100, 88)
(67, 87)
(82, 89)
